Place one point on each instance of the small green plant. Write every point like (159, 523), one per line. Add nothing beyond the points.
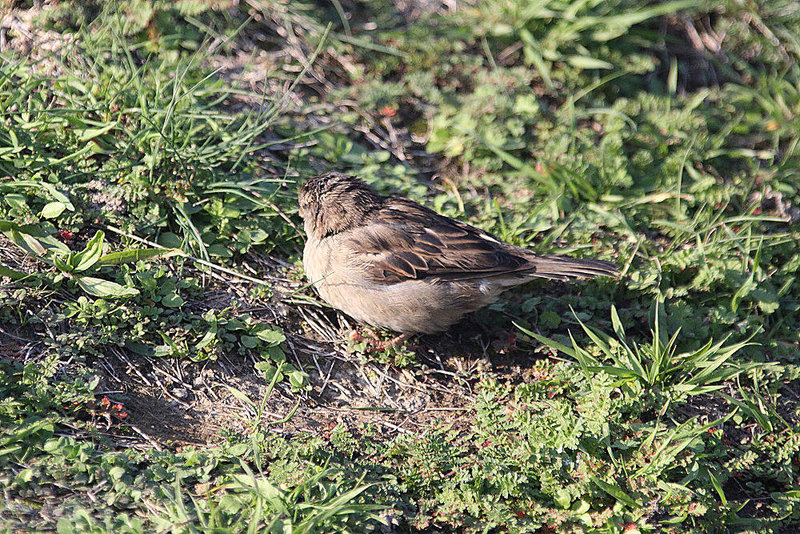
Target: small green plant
(315, 505)
(76, 266)
(657, 365)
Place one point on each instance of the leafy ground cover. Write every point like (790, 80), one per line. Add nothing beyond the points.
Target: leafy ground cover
(165, 367)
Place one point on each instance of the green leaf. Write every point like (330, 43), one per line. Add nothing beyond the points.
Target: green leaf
(90, 133)
(220, 251)
(11, 273)
(249, 341)
(173, 300)
(207, 339)
(16, 201)
(270, 371)
(27, 242)
(275, 354)
(244, 399)
(767, 300)
(742, 292)
(628, 19)
(134, 255)
(616, 492)
(51, 245)
(615, 371)
(549, 320)
(548, 342)
(89, 255)
(61, 264)
(534, 57)
(170, 240)
(238, 449)
(717, 487)
(116, 472)
(103, 288)
(25, 476)
(273, 337)
(563, 498)
(616, 324)
(139, 348)
(586, 62)
(53, 210)
(298, 380)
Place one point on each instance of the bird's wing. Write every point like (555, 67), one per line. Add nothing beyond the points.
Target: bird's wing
(404, 240)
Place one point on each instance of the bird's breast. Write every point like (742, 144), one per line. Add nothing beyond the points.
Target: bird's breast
(410, 306)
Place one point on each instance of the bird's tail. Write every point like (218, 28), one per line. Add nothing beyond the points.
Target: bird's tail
(565, 268)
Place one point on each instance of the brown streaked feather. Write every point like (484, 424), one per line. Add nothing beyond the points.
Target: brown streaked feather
(402, 240)
(558, 267)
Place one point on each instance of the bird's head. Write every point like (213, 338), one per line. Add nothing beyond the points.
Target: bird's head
(333, 201)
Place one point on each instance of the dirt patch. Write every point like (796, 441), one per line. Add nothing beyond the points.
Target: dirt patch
(44, 48)
(103, 197)
(207, 401)
(774, 204)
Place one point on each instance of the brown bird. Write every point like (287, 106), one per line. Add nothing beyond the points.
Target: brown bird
(392, 263)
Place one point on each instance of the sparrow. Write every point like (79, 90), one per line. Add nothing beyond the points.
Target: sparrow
(394, 264)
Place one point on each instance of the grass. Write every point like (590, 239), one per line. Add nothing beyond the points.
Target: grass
(165, 366)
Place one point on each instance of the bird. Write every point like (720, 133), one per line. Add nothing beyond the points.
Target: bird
(395, 264)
